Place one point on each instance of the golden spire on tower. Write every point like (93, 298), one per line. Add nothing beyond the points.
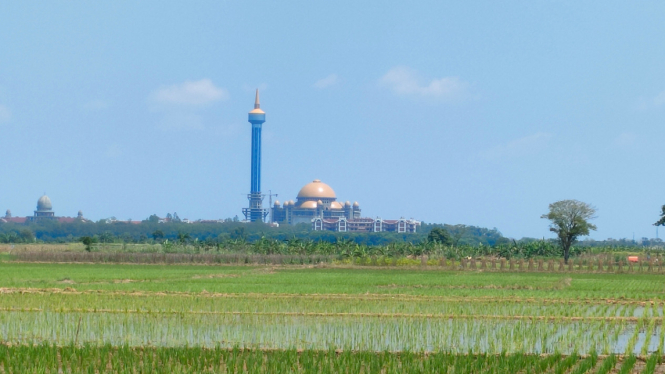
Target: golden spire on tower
(257, 105)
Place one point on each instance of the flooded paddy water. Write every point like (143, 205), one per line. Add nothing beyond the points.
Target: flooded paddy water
(356, 332)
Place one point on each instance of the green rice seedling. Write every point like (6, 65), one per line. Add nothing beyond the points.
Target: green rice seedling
(627, 364)
(566, 364)
(585, 365)
(649, 333)
(107, 359)
(608, 364)
(651, 363)
(542, 365)
(661, 337)
(632, 341)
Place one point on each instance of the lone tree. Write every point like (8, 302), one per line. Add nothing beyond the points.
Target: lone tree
(569, 219)
(661, 221)
(87, 241)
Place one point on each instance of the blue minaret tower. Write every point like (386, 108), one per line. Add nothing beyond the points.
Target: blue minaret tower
(255, 212)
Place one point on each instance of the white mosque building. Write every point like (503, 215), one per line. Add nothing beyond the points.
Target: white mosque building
(317, 204)
(44, 212)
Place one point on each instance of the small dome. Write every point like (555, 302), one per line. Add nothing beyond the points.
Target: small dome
(257, 111)
(291, 202)
(316, 189)
(336, 205)
(80, 214)
(276, 202)
(355, 205)
(319, 202)
(347, 204)
(44, 203)
(308, 205)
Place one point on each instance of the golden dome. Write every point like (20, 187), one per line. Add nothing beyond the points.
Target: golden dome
(308, 205)
(336, 205)
(257, 111)
(276, 202)
(316, 189)
(356, 204)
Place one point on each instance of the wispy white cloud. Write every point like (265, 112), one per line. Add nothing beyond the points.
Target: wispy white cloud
(196, 93)
(517, 148)
(326, 82)
(405, 81)
(181, 104)
(5, 114)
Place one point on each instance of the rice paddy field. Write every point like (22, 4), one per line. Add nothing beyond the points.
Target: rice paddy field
(119, 318)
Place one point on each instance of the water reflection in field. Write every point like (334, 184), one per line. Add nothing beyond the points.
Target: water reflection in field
(323, 332)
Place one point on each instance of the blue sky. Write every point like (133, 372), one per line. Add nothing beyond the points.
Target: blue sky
(476, 113)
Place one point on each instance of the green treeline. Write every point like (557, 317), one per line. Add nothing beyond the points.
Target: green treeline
(453, 242)
(153, 232)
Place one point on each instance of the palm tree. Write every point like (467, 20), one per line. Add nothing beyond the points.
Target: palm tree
(183, 238)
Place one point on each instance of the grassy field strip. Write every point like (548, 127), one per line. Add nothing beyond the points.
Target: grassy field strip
(545, 359)
(365, 296)
(658, 321)
(107, 359)
(57, 302)
(328, 261)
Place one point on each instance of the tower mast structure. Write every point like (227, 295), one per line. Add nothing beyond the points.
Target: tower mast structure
(270, 207)
(256, 212)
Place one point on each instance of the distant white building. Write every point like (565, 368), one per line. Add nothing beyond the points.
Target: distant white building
(317, 205)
